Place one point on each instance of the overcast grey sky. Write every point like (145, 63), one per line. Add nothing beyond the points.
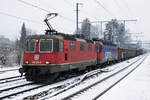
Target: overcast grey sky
(120, 9)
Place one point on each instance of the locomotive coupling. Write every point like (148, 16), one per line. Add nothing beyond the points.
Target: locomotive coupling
(21, 71)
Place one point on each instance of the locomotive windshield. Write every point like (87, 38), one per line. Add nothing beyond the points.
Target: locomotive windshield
(45, 45)
(30, 45)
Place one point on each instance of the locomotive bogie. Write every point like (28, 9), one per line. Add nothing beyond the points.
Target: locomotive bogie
(53, 68)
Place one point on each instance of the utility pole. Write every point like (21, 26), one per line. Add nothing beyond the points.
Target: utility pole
(124, 21)
(77, 17)
(101, 23)
(137, 35)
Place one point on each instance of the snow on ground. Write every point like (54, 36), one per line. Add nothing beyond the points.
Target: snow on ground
(9, 73)
(135, 87)
(3, 68)
(48, 87)
(99, 77)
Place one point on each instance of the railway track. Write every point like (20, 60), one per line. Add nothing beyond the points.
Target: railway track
(2, 79)
(14, 87)
(24, 91)
(47, 89)
(100, 83)
(67, 93)
(14, 91)
(11, 87)
(10, 79)
(8, 70)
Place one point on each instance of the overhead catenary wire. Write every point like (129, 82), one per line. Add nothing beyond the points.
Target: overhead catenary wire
(120, 8)
(25, 19)
(124, 2)
(35, 6)
(127, 13)
(21, 18)
(82, 11)
(101, 5)
(127, 7)
(68, 3)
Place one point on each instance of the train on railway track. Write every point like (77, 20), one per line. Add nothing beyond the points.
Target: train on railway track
(48, 56)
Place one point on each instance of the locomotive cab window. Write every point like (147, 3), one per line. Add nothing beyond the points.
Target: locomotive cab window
(55, 45)
(81, 47)
(89, 47)
(72, 46)
(100, 48)
(45, 46)
(105, 49)
(62, 46)
(30, 45)
(97, 48)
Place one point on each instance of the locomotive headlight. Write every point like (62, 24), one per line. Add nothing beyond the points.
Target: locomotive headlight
(47, 62)
(26, 62)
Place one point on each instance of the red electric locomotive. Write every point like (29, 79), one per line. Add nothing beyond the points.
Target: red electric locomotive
(48, 55)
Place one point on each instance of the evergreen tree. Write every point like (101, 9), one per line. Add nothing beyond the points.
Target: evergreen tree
(116, 33)
(111, 30)
(86, 28)
(23, 35)
(20, 45)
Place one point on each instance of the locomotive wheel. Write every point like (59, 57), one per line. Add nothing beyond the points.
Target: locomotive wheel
(45, 78)
(51, 77)
(28, 75)
(31, 75)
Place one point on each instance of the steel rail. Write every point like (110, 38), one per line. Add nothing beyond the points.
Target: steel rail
(8, 70)
(20, 92)
(9, 78)
(118, 81)
(7, 81)
(2, 90)
(79, 91)
(87, 75)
